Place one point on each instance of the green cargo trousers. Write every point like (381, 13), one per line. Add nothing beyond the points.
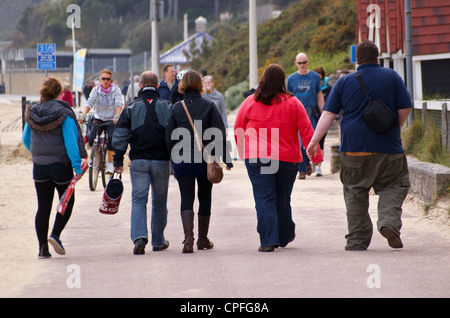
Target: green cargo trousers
(388, 175)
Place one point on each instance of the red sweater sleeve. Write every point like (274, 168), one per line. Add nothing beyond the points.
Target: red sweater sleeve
(239, 127)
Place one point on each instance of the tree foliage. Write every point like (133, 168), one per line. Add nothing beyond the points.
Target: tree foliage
(324, 29)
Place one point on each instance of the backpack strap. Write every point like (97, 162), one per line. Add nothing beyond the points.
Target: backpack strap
(363, 87)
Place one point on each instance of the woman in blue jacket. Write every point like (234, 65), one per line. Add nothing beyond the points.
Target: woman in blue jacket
(53, 136)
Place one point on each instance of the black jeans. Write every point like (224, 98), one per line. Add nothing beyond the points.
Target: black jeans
(187, 191)
(94, 130)
(47, 178)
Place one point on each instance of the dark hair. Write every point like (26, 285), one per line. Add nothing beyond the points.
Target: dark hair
(51, 89)
(320, 71)
(366, 52)
(166, 67)
(272, 85)
(191, 81)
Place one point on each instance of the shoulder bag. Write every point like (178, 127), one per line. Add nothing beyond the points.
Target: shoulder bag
(214, 171)
(377, 115)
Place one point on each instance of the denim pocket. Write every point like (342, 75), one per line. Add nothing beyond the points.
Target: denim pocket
(138, 167)
(162, 168)
(40, 173)
(61, 173)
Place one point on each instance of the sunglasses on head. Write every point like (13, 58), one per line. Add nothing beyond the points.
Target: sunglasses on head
(105, 78)
(301, 63)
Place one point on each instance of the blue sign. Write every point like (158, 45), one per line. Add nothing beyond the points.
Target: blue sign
(353, 53)
(46, 56)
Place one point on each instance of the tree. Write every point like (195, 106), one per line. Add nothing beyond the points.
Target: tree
(100, 27)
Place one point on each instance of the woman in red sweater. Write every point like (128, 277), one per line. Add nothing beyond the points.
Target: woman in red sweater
(66, 95)
(266, 133)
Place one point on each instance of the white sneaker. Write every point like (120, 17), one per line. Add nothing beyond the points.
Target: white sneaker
(109, 168)
(318, 172)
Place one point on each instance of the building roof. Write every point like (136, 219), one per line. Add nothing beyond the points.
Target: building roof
(176, 54)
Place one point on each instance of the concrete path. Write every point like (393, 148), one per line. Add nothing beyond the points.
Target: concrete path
(100, 262)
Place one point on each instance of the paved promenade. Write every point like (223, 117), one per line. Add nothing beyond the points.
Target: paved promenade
(100, 263)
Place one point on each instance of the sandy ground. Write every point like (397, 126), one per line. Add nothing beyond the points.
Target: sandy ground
(19, 266)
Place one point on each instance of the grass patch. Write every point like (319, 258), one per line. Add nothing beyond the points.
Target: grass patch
(424, 142)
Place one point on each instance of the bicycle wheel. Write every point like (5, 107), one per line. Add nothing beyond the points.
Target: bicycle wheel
(94, 167)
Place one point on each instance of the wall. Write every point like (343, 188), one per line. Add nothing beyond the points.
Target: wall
(29, 83)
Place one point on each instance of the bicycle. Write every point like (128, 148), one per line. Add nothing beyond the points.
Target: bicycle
(97, 158)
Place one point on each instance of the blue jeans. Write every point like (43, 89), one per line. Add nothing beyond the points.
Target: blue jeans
(272, 194)
(143, 174)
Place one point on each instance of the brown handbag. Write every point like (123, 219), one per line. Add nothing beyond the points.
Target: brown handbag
(214, 171)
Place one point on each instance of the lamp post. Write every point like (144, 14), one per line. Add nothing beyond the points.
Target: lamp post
(77, 101)
(253, 47)
(155, 38)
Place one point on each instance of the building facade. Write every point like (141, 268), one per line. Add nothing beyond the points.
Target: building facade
(383, 22)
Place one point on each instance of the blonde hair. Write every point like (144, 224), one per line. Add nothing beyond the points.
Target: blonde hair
(105, 70)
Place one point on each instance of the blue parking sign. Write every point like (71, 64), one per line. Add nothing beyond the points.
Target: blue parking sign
(46, 56)
(353, 53)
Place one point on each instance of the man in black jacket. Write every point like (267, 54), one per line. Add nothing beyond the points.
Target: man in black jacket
(142, 125)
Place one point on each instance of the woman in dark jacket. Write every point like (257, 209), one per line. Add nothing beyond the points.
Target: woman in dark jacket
(54, 138)
(188, 161)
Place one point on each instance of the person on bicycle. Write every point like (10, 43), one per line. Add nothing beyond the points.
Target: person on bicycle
(107, 101)
(142, 125)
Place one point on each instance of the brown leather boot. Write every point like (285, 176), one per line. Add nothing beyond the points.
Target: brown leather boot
(203, 226)
(187, 218)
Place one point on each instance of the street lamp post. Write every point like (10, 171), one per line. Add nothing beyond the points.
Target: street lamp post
(77, 101)
(155, 38)
(253, 47)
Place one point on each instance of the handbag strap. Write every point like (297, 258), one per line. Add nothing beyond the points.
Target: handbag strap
(363, 86)
(197, 137)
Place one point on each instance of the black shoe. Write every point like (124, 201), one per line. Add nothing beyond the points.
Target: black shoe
(57, 245)
(285, 244)
(43, 252)
(162, 247)
(393, 240)
(269, 248)
(139, 246)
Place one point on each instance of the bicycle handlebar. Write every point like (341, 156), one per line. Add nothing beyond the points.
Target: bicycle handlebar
(106, 123)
